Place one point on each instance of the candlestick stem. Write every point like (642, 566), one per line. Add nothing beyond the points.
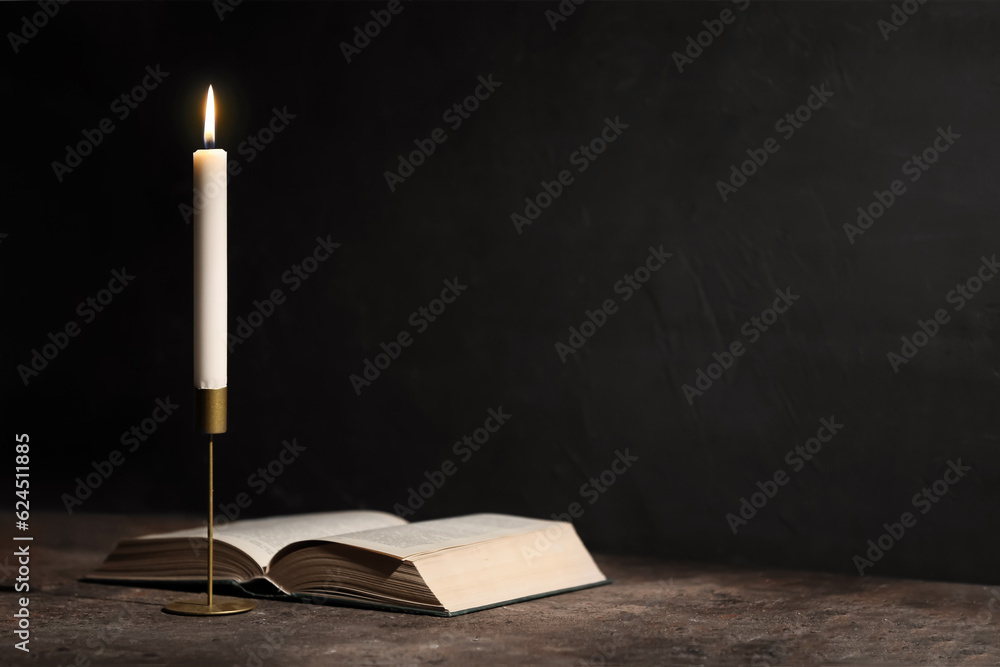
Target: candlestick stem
(213, 608)
(211, 516)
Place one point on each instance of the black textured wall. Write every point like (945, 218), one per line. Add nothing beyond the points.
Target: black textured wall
(870, 94)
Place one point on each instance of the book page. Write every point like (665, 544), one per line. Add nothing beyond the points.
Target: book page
(262, 538)
(425, 536)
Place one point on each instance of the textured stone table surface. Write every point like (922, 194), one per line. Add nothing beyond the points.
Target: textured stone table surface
(656, 613)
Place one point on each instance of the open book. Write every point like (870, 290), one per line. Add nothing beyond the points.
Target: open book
(371, 559)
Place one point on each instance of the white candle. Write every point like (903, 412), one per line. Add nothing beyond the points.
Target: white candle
(210, 269)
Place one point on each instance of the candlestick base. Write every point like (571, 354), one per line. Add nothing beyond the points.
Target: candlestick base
(223, 607)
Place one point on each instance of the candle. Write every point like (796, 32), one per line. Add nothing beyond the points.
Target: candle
(210, 267)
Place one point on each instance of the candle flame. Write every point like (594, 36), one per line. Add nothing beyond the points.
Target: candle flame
(210, 120)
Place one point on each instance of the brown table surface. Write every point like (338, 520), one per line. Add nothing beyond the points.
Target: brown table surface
(656, 613)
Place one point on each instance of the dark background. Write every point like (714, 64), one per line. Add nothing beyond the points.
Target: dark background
(323, 175)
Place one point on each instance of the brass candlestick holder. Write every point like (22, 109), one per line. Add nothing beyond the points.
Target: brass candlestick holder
(210, 418)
